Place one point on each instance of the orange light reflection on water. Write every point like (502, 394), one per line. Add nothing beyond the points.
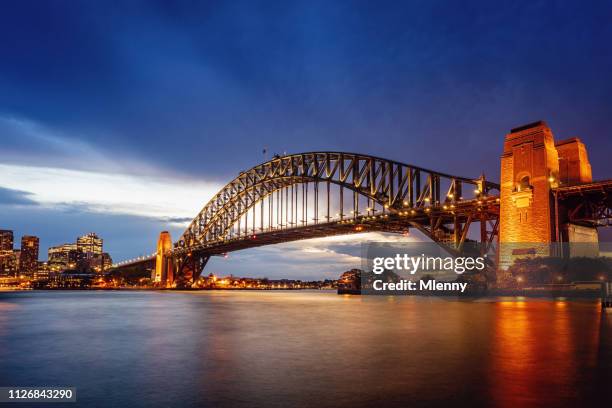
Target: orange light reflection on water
(536, 351)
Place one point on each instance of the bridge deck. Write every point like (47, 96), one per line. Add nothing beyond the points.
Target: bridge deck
(588, 204)
(603, 186)
(395, 221)
(432, 220)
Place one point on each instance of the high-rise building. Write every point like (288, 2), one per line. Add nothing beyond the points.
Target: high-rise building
(6, 240)
(90, 244)
(28, 262)
(17, 254)
(8, 263)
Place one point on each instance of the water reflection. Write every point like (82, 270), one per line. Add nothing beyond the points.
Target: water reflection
(542, 352)
(302, 348)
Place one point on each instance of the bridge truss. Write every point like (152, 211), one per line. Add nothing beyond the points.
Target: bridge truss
(317, 194)
(588, 204)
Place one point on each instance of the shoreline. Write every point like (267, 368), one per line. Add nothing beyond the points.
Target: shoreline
(494, 293)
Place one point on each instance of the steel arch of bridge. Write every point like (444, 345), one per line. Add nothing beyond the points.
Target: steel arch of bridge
(396, 188)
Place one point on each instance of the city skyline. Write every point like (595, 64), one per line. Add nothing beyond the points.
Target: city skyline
(129, 131)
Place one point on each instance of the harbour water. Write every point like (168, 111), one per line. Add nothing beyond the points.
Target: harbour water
(302, 348)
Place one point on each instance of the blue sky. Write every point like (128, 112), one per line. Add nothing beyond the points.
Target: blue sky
(125, 118)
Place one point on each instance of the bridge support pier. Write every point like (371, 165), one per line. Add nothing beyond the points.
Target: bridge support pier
(163, 263)
(187, 269)
(533, 167)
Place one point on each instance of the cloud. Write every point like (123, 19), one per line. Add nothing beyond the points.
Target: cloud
(177, 220)
(28, 142)
(309, 259)
(173, 200)
(15, 197)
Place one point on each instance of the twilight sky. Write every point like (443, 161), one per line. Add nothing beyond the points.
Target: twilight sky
(125, 119)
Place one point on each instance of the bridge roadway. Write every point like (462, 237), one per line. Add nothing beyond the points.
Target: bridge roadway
(394, 221)
(428, 220)
(588, 204)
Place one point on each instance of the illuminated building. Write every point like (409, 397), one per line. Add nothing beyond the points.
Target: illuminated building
(8, 262)
(84, 256)
(90, 244)
(28, 260)
(100, 263)
(17, 254)
(107, 261)
(6, 240)
(62, 257)
(42, 271)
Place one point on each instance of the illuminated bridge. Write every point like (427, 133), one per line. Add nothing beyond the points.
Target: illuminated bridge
(317, 194)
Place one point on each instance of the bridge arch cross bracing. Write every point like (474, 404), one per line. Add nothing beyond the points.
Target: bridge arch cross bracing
(392, 186)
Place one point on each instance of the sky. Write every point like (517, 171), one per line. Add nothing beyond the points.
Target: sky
(124, 119)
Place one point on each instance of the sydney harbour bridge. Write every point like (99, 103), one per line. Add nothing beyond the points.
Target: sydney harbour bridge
(546, 195)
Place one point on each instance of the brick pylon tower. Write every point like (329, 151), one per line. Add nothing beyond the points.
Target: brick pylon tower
(529, 169)
(163, 265)
(532, 165)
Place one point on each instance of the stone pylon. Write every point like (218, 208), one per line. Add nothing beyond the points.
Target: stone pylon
(164, 275)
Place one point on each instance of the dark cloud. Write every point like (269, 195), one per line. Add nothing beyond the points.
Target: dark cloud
(183, 85)
(15, 197)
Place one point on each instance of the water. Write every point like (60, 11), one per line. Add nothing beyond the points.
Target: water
(292, 349)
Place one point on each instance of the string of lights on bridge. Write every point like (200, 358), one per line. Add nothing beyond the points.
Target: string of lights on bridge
(357, 219)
